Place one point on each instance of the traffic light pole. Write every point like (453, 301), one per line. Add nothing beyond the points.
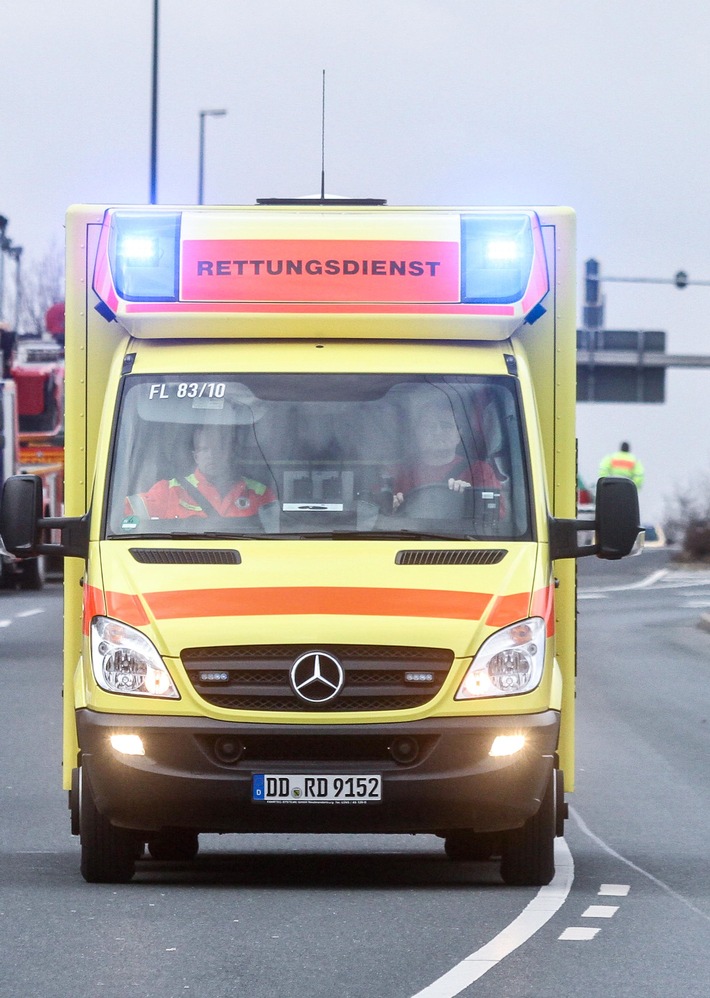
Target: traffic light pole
(624, 365)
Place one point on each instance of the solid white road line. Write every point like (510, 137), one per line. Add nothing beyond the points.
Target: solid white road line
(649, 580)
(612, 852)
(543, 906)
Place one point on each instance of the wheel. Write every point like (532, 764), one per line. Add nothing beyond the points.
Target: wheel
(32, 573)
(432, 502)
(464, 845)
(108, 854)
(174, 844)
(529, 852)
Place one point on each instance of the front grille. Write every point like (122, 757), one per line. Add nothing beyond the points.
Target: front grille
(257, 677)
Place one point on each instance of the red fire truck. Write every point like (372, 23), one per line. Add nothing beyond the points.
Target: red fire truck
(36, 368)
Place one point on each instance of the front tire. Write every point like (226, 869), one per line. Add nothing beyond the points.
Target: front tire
(108, 854)
(528, 858)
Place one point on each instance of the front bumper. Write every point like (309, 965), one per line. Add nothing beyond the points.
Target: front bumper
(452, 783)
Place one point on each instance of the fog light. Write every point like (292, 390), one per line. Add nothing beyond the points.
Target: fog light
(404, 749)
(127, 744)
(507, 745)
(229, 750)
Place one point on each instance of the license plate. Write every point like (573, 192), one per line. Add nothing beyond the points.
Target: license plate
(277, 788)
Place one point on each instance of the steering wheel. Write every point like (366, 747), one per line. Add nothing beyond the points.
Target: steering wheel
(432, 502)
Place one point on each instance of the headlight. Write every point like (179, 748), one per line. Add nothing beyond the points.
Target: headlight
(509, 662)
(125, 661)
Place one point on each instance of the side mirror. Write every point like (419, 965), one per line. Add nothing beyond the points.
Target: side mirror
(615, 524)
(617, 517)
(22, 525)
(20, 513)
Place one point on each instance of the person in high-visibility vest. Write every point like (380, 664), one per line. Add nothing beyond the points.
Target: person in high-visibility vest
(213, 488)
(624, 464)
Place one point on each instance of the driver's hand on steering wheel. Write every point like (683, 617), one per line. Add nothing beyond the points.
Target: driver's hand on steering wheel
(454, 484)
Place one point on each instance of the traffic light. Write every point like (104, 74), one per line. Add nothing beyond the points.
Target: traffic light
(681, 279)
(593, 311)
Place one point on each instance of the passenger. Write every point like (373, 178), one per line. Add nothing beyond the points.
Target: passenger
(213, 487)
(437, 459)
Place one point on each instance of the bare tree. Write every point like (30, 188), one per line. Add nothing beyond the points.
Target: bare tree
(41, 286)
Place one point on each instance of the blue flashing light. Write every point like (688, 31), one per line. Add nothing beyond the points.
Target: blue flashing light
(144, 255)
(138, 250)
(502, 251)
(496, 258)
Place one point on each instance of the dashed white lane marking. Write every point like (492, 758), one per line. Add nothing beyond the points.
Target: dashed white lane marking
(614, 890)
(600, 911)
(23, 613)
(543, 906)
(612, 852)
(578, 933)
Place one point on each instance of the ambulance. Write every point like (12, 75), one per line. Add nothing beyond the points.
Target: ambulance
(320, 527)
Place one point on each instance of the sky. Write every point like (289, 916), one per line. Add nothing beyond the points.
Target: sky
(601, 106)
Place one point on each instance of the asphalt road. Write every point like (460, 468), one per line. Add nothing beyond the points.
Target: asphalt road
(391, 917)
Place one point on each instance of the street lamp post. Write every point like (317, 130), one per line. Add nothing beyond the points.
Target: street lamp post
(15, 253)
(154, 111)
(4, 244)
(201, 167)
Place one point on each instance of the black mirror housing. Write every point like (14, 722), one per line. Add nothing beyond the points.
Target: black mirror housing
(616, 524)
(22, 525)
(20, 513)
(617, 517)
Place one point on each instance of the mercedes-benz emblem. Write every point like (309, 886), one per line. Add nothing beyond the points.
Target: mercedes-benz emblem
(317, 677)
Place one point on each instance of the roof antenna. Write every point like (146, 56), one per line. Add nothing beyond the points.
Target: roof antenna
(322, 144)
(313, 199)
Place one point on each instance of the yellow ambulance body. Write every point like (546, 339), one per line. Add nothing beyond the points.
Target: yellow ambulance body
(335, 639)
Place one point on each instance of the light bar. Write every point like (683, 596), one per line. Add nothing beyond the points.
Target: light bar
(485, 259)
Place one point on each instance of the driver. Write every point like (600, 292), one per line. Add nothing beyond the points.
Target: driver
(437, 459)
(213, 487)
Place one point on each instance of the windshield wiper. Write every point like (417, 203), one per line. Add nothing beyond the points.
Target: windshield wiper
(179, 535)
(358, 535)
(328, 535)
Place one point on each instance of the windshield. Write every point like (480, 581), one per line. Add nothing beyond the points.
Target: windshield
(318, 455)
